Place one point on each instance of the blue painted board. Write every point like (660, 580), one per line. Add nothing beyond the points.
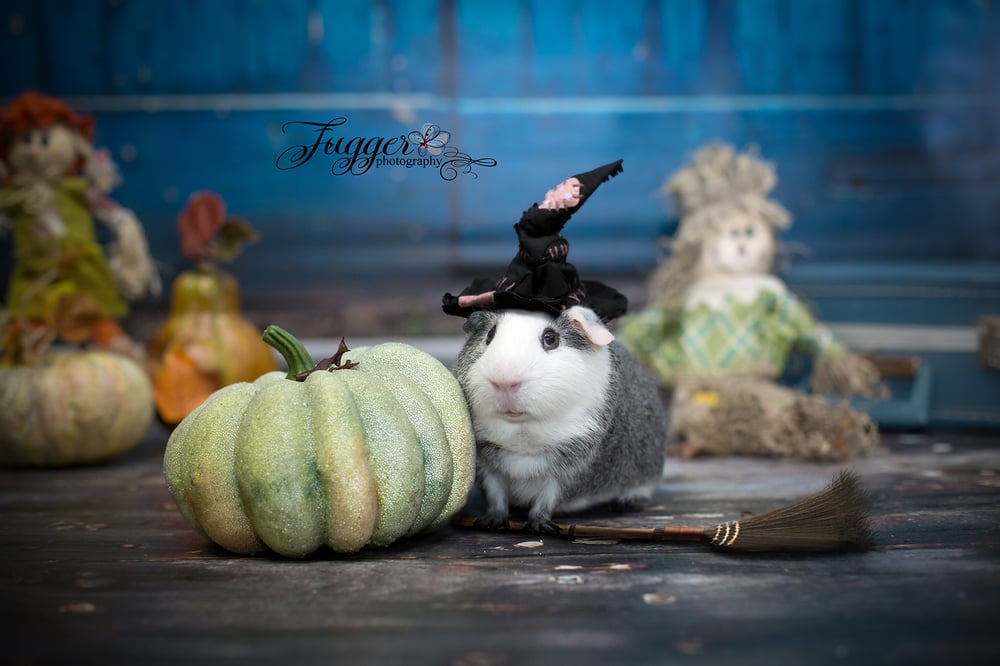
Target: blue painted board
(758, 28)
(415, 46)
(488, 48)
(851, 200)
(503, 48)
(678, 49)
(914, 293)
(883, 117)
(551, 66)
(963, 393)
(819, 47)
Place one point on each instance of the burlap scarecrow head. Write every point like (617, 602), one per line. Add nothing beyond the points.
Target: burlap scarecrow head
(720, 185)
(539, 277)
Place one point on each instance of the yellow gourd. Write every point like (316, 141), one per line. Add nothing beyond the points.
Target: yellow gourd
(206, 343)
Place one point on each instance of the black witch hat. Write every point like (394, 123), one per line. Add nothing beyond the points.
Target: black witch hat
(539, 277)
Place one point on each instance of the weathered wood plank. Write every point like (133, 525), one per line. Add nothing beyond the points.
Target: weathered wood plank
(97, 561)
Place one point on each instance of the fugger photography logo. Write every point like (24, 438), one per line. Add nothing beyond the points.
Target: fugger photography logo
(357, 155)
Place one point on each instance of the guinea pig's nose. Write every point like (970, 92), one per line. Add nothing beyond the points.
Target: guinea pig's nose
(505, 385)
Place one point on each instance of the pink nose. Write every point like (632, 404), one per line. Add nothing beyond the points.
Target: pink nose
(506, 386)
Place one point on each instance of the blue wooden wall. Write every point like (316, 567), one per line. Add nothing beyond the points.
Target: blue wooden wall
(883, 117)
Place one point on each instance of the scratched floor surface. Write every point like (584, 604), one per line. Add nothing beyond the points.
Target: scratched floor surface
(98, 567)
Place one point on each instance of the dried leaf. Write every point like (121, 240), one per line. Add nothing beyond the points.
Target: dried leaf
(654, 599)
(23, 341)
(529, 544)
(202, 217)
(231, 238)
(74, 317)
(179, 386)
(78, 607)
(569, 580)
(478, 658)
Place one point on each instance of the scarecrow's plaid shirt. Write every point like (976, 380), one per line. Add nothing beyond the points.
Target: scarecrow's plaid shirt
(755, 337)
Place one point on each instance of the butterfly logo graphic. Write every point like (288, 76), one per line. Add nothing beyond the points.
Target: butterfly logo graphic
(431, 139)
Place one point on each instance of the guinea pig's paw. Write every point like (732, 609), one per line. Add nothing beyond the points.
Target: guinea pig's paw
(493, 520)
(542, 525)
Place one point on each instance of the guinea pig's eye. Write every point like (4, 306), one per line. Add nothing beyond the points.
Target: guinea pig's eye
(550, 339)
(490, 333)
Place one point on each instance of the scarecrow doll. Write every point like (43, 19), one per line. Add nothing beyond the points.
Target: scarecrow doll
(54, 187)
(720, 327)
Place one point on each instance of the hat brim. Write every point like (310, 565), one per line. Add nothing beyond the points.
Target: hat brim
(607, 302)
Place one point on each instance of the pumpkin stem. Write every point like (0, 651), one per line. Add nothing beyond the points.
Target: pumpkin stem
(335, 362)
(294, 353)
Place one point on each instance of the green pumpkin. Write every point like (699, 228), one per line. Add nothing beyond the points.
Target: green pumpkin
(364, 454)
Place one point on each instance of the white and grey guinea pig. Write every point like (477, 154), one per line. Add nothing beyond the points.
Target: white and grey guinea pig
(564, 417)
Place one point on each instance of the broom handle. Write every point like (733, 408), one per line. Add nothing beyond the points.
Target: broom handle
(629, 533)
(835, 519)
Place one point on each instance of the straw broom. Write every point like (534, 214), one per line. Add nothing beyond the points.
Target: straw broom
(834, 519)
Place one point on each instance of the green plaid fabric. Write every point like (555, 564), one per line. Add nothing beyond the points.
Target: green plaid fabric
(740, 337)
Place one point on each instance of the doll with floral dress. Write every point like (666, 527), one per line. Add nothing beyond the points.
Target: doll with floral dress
(55, 185)
(719, 327)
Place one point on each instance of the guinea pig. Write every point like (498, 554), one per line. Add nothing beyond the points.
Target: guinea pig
(564, 417)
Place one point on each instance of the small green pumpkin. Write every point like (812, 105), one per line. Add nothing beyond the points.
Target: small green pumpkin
(361, 450)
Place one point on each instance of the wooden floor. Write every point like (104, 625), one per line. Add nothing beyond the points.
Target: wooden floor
(98, 567)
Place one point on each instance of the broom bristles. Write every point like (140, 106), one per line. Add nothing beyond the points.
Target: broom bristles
(834, 519)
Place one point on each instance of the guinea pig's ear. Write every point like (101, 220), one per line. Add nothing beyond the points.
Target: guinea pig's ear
(477, 320)
(588, 323)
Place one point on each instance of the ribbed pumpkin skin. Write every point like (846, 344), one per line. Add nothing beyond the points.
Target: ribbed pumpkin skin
(347, 458)
(72, 408)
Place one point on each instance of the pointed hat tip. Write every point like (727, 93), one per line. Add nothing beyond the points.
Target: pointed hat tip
(591, 179)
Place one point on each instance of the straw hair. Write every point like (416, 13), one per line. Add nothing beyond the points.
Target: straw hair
(832, 520)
